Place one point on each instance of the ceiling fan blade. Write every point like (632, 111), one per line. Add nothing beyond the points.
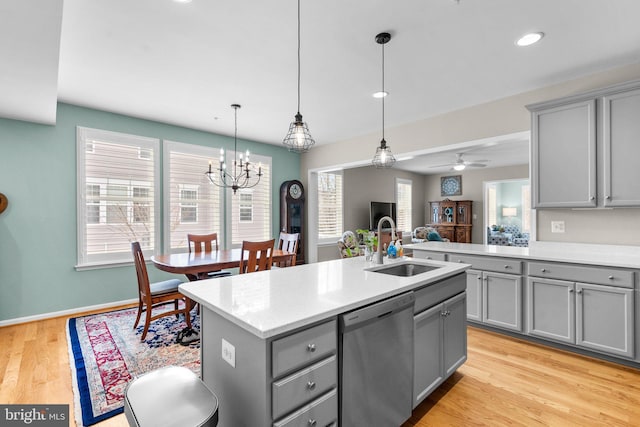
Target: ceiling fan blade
(475, 165)
(441, 166)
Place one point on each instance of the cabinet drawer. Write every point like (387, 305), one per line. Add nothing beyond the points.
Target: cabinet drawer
(438, 256)
(499, 265)
(578, 273)
(304, 347)
(303, 386)
(437, 292)
(320, 412)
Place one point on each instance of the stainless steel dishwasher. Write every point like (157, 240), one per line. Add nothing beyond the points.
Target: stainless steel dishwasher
(376, 363)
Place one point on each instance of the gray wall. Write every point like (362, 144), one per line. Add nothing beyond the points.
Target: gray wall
(472, 189)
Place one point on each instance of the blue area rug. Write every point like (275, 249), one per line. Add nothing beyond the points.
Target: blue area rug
(106, 354)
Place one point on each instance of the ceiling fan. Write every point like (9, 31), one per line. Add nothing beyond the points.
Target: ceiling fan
(461, 164)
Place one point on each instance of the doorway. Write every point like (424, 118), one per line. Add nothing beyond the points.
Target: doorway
(508, 212)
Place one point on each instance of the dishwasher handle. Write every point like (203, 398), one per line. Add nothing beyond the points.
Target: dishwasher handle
(379, 310)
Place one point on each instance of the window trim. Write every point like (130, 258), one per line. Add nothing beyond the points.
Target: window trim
(409, 183)
(332, 239)
(84, 135)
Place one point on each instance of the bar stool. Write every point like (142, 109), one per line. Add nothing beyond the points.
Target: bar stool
(170, 397)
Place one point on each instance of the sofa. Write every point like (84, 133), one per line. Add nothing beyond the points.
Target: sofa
(425, 234)
(507, 235)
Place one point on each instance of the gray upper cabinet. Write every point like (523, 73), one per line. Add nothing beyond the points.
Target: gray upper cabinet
(621, 136)
(585, 148)
(564, 155)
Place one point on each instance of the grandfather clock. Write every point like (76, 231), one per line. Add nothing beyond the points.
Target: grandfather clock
(292, 213)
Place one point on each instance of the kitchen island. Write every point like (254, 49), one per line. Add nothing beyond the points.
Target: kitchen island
(270, 343)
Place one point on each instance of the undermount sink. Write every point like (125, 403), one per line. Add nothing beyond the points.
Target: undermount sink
(405, 269)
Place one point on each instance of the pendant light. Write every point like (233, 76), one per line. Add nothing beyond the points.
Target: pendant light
(239, 175)
(298, 138)
(383, 157)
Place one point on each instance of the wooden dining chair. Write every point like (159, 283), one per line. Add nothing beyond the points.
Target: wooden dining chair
(258, 256)
(205, 243)
(202, 242)
(154, 295)
(288, 242)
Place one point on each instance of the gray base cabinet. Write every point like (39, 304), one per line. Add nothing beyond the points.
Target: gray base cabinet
(502, 300)
(474, 295)
(440, 345)
(551, 308)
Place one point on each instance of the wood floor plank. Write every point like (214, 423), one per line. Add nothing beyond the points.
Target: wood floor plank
(505, 382)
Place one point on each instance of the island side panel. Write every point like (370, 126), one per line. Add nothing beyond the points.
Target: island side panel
(244, 392)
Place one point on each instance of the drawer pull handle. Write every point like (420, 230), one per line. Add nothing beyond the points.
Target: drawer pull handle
(311, 348)
(312, 422)
(543, 270)
(428, 257)
(610, 277)
(311, 385)
(460, 260)
(507, 266)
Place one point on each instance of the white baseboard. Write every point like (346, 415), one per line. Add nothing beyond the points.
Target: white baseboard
(43, 316)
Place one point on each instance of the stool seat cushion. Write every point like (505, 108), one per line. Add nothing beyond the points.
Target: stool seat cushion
(168, 397)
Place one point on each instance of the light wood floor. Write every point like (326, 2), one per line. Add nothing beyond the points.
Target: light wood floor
(505, 382)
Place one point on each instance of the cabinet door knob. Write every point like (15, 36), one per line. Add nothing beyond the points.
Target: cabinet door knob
(570, 290)
(579, 291)
(507, 266)
(479, 277)
(311, 385)
(592, 198)
(312, 422)
(543, 270)
(311, 347)
(610, 277)
(607, 197)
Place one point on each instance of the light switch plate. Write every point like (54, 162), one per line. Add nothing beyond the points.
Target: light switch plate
(228, 353)
(557, 226)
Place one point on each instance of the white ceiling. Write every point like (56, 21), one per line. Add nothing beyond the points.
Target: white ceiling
(185, 64)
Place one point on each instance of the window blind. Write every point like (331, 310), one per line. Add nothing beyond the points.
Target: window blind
(330, 211)
(251, 208)
(403, 203)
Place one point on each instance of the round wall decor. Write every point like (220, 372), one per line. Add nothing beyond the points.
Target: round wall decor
(4, 202)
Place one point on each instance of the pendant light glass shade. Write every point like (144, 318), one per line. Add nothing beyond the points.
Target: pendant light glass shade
(298, 138)
(384, 157)
(239, 174)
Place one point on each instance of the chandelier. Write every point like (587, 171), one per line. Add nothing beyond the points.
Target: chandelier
(383, 157)
(240, 174)
(298, 138)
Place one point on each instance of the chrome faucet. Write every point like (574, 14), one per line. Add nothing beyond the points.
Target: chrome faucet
(377, 257)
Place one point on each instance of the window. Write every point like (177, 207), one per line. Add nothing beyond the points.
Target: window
(403, 203)
(188, 206)
(526, 208)
(191, 203)
(116, 195)
(251, 208)
(330, 216)
(246, 205)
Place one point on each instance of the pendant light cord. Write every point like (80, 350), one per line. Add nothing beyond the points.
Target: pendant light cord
(298, 56)
(383, 92)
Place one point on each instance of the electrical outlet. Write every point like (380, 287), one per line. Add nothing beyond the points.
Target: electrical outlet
(557, 226)
(228, 353)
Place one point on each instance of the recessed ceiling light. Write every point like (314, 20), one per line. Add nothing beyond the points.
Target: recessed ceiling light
(380, 94)
(182, 1)
(529, 39)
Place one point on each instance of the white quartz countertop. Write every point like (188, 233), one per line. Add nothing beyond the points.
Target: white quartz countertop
(590, 254)
(269, 303)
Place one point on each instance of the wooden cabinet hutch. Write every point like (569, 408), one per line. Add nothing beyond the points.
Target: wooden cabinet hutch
(452, 219)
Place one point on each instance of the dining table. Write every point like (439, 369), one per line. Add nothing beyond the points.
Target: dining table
(197, 265)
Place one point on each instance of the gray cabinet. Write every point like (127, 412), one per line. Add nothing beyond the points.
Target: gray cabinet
(604, 319)
(593, 316)
(564, 155)
(494, 287)
(551, 308)
(585, 148)
(621, 135)
(502, 300)
(440, 345)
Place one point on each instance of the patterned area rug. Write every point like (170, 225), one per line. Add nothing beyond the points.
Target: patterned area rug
(106, 353)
